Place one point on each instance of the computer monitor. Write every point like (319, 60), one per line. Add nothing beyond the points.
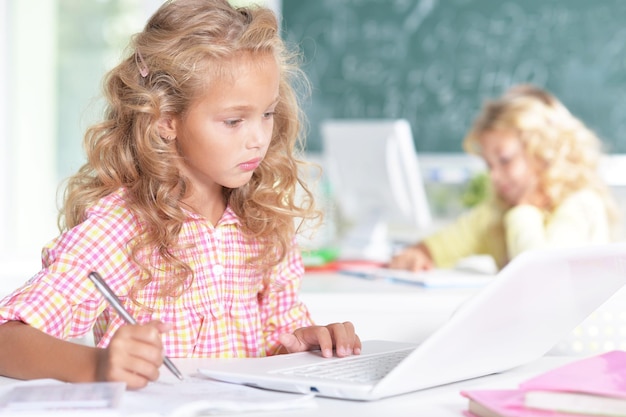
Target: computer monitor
(372, 166)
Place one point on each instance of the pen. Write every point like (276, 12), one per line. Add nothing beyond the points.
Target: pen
(117, 305)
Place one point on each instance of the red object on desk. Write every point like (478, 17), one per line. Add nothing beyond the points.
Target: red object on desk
(335, 266)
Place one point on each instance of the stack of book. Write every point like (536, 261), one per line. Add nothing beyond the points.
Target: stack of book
(594, 386)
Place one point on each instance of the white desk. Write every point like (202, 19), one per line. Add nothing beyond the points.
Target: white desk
(444, 401)
(383, 310)
(380, 309)
(408, 313)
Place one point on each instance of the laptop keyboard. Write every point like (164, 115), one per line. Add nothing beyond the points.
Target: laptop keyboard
(369, 368)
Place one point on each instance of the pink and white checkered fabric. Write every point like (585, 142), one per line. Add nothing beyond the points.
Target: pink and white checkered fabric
(225, 312)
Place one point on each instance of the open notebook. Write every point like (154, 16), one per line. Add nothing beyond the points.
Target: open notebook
(433, 278)
(533, 303)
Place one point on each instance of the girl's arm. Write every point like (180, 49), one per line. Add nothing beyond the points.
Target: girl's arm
(28, 353)
(470, 234)
(134, 355)
(580, 219)
(287, 318)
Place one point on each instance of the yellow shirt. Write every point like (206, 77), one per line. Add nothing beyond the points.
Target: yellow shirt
(491, 229)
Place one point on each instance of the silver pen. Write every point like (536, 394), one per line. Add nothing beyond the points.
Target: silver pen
(108, 294)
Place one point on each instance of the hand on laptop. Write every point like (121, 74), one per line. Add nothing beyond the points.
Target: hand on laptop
(340, 336)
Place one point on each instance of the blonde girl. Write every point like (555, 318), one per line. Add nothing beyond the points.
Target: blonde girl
(186, 206)
(547, 191)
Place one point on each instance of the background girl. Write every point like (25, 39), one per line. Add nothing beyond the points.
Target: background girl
(547, 192)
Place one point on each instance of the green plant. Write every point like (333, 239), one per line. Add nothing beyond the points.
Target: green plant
(477, 190)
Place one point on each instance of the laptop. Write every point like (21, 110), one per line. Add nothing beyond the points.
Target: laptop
(533, 303)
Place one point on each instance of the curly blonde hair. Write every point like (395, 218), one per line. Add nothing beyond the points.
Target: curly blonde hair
(184, 46)
(564, 150)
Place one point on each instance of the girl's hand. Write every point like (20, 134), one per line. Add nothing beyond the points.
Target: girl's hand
(535, 198)
(134, 355)
(340, 336)
(414, 258)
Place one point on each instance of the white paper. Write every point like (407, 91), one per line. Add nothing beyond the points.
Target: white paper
(198, 396)
(195, 396)
(50, 397)
(434, 278)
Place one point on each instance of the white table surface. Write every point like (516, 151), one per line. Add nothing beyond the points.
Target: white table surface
(444, 401)
(380, 309)
(384, 310)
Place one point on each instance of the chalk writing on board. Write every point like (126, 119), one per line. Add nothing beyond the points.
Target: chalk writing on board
(434, 62)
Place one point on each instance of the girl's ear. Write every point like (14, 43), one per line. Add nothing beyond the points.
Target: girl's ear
(167, 127)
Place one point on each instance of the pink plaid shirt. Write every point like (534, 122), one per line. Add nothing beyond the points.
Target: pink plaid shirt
(224, 313)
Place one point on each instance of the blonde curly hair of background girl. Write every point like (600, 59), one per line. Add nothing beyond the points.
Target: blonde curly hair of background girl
(175, 58)
(565, 152)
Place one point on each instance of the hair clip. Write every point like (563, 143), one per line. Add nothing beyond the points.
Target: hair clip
(141, 64)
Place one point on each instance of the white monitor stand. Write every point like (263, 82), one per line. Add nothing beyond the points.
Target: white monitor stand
(373, 169)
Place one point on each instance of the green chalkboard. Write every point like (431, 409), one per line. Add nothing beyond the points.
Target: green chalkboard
(434, 62)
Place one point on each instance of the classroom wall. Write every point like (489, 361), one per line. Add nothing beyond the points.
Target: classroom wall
(4, 85)
(433, 62)
(29, 144)
(53, 55)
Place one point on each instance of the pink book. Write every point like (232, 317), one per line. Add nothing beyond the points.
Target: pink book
(503, 403)
(603, 374)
